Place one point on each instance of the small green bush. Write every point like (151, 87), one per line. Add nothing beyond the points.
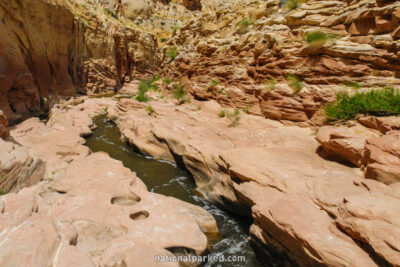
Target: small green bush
(175, 29)
(294, 82)
(292, 4)
(167, 81)
(375, 102)
(244, 25)
(318, 38)
(149, 109)
(172, 52)
(179, 92)
(146, 85)
(222, 113)
(110, 13)
(233, 116)
(245, 22)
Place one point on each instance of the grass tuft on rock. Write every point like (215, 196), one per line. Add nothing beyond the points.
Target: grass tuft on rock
(294, 82)
(149, 109)
(233, 115)
(172, 53)
(111, 13)
(319, 38)
(146, 85)
(382, 102)
(180, 92)
(292, 4)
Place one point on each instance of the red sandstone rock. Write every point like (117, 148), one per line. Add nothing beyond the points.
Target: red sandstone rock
(382, 124)
(344, 143)
(4, 130)
(383, 158)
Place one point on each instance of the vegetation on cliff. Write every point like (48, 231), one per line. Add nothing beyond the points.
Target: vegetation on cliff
(373, 102)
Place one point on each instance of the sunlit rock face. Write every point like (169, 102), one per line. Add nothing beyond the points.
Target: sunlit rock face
(89, 51)
(266, 41)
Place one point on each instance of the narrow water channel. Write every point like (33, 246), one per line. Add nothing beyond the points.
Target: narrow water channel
(165, 178)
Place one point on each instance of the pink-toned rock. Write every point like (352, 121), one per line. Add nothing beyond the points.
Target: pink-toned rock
(283, 103)
(19, 167)
(383, 158)
(344, 143)
(309, 234)
(382, 124)
(108, 219)
(242, 167)
(373, 220)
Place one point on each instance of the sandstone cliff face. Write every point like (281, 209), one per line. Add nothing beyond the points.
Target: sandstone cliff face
(52, 49)
(262, 42)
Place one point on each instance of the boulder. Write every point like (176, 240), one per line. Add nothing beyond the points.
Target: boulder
(342, 143)
(382, 124)
(19, 167)
(383, 158)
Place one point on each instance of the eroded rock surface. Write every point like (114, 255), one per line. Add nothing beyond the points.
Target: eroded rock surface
(262, 166)
(264, 42)
(89, 52)
(90, 210)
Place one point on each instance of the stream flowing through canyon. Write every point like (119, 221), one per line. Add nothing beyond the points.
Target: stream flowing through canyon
(166, 178)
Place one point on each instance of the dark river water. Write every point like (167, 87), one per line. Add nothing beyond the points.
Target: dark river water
(165, 178)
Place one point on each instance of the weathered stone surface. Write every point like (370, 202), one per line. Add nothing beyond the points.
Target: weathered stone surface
(265, 42)
(383, 158)
(373, 220)
(382, 124)
(261, 165)
(344, 143)
(109, 218)
(87, 52)
(18, 167)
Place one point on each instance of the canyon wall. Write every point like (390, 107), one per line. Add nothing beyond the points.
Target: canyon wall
(52, 49)
(247, 45)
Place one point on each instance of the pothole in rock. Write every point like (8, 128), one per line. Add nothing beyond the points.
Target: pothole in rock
(127, 200)
(141, 215)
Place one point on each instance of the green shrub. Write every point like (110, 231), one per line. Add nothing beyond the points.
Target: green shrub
(245, 22)
(292, 4)
(374, 102)
(172, 52)
(244, 25)
(149, 109)
(110, 13)
(222, 113)
(294, 82)
(318, 38)
(175, 29)
(146, 85)
(233, 116)
(167, 81)
(179, 92)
